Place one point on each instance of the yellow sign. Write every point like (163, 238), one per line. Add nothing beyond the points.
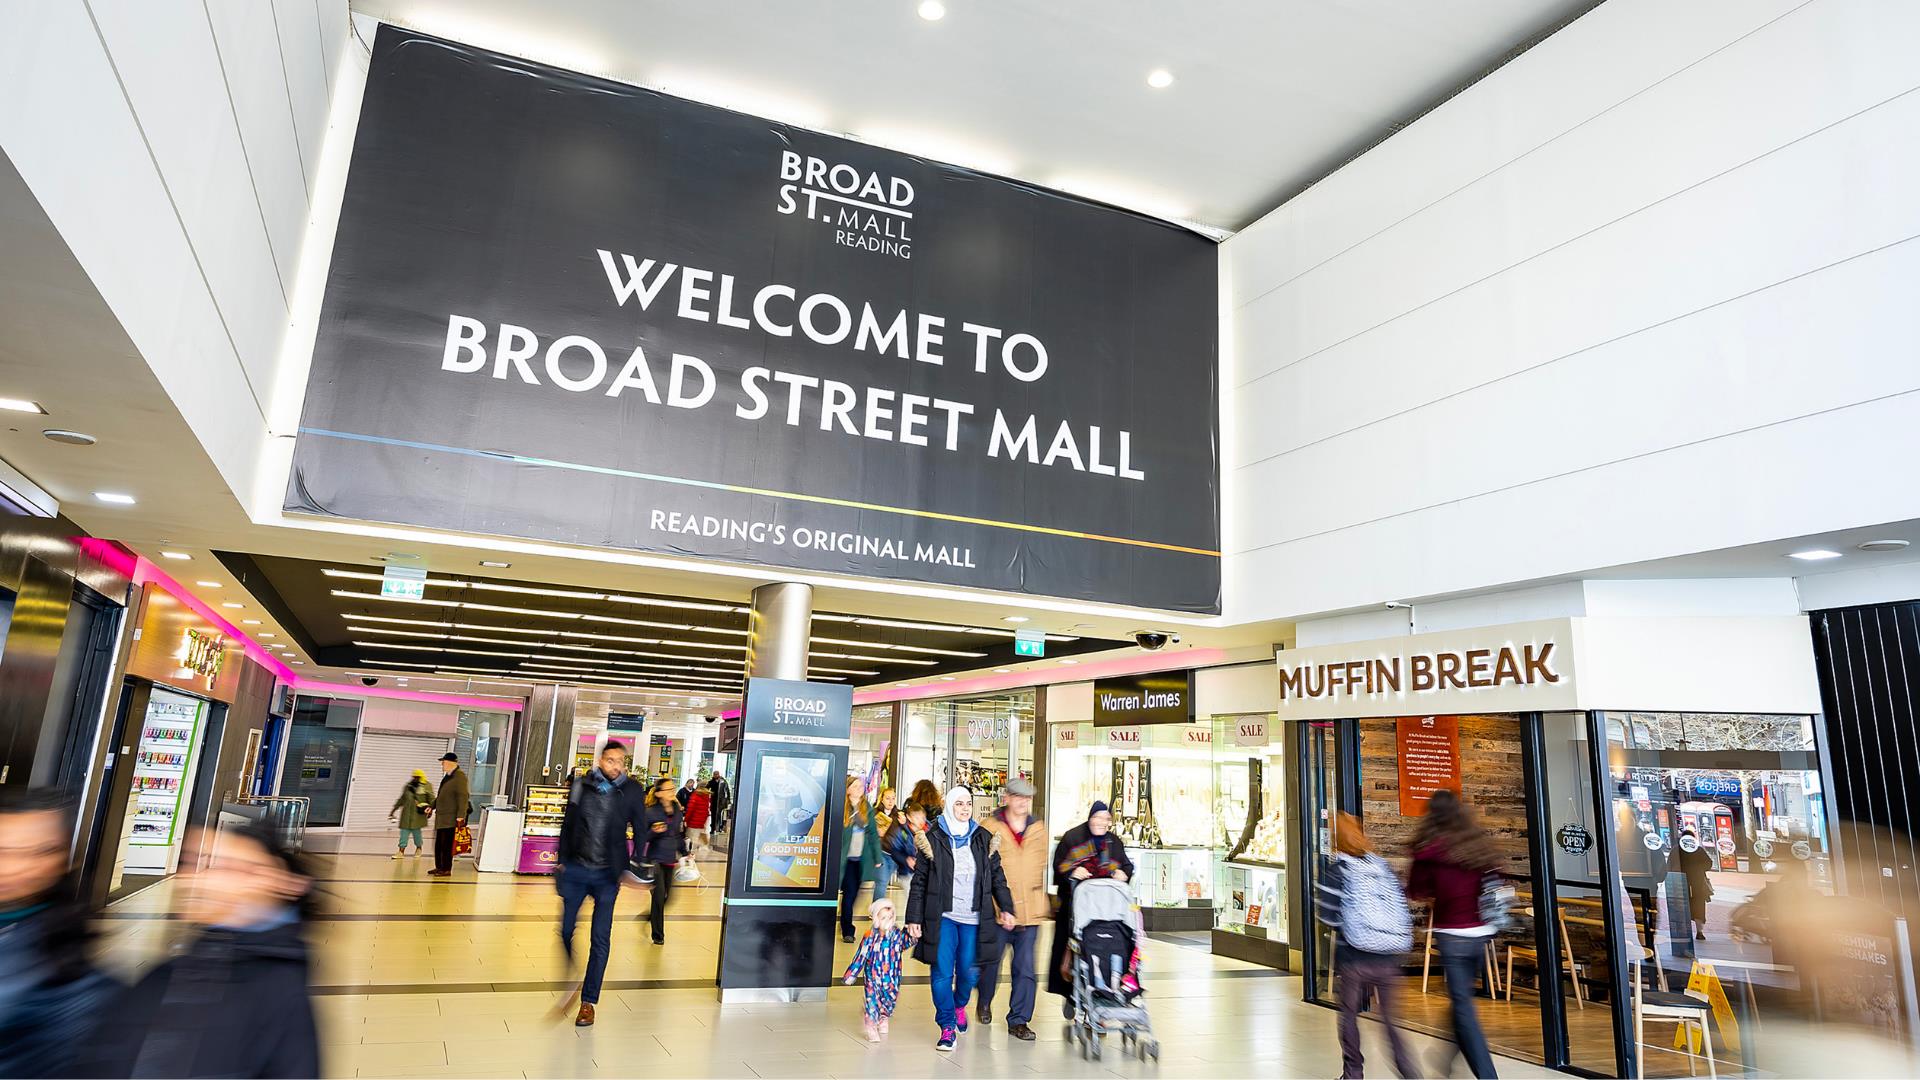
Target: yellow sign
(1703, 980)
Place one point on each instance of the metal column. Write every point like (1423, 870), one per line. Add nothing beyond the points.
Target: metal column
(779, 628)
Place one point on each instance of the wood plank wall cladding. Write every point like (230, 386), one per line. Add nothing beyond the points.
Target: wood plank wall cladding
(1490, 779)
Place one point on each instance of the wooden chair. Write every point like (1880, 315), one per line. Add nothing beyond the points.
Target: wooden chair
(1685, 1011)
(1528, 954)
(1492, 967)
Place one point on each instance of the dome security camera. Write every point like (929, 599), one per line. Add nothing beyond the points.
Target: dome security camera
(1155, 640)
(369, 680)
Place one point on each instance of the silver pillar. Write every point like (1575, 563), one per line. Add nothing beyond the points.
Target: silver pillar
(779, 629)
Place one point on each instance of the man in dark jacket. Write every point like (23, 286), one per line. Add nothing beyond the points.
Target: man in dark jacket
(50, 992)
(601, 806)
(722, 800)
(449, 813)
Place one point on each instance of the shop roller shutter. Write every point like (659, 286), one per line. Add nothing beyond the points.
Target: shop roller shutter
(380, 770)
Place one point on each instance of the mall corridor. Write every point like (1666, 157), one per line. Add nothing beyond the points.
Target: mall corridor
(459, 978)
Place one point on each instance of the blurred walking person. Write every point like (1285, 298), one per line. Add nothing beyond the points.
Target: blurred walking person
(660, 841)
(722, 800)
(1452, 858)
(927, 797)
(1088, 850)
(414, 808)
(1360, 896)
(236, 1002)
(876, 863)
(857, 820)
(1024, 857)
(50, 993)
(699, 808)
(593, 855)
(449, 814)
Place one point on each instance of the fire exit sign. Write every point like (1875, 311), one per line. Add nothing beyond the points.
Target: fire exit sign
(1029, 643)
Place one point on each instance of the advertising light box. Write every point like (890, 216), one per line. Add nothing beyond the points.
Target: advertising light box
(570, 309)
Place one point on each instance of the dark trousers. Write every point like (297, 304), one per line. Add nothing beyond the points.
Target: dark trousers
(1363, 974)
(1023, 939)
(849, 893)
(1463, 959)
(575, 884)
(443, 847)
(662, 888)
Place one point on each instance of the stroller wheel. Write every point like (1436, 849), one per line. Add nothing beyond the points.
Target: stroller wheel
(1096, 1049)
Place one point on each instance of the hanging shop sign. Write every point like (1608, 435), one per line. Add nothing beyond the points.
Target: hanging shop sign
(577, 310)
(1574, 839)
(1156, 697)
(1130, 738)
(1066, 737)
(1250, 731)
(1429, 760)
(1516, 668)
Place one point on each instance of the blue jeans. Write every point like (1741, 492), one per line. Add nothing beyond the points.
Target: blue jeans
(575, 884)
(1023, 939)
(849, 894)
(413, 835)
(953, 970)
(1463, 959)
(884, 880)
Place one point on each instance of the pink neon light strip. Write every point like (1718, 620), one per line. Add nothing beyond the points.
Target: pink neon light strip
(145, 572)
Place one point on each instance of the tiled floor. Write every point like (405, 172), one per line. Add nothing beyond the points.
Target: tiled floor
(416, 977)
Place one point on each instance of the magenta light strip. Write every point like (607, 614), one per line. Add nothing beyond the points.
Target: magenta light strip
(145, 572)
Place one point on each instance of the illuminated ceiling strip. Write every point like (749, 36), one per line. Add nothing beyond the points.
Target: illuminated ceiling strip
(902, 648)
(612, 685)
(874, 659)
(531, 590)
(539, 644)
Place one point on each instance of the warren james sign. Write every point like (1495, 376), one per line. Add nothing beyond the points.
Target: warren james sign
(1160, 697)
(571, 309)
(1522, 667)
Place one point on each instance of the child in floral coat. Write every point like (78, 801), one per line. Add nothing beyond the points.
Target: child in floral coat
(878, 958)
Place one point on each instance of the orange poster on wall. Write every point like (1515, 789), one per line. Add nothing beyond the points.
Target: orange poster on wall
(1429, 753)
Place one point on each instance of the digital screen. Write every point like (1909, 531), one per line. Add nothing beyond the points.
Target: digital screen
(790, 826)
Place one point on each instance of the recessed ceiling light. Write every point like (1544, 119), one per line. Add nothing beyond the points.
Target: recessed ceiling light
(233, 604)
(946, 678)
(1001, 670)
(249, 622)
(1014, 618)
(114, 497)
(302, 663)
(13, 404)
(1069, 663)
(1883, 545)
(264, 634)
(179, 556)
(1814, 555)
(1159, 78)
(71, 438)
(208, 584)
(495, 564)
(407, 555)
(933, 10)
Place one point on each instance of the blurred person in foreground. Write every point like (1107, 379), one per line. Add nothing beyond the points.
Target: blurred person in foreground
(1088, 850)
(1360, 896)
(1452, 857)
(235, 1001)
(1024, 858)
(49, 990)
(602, 805)
(660, 839)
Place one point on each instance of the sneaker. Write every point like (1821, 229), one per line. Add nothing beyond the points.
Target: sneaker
(872, 1030)
(401, 854)
(986, 1013)
(960, 1018)
(1021, 1032)
(883, 1025)
(416, 853)
(945, 1045)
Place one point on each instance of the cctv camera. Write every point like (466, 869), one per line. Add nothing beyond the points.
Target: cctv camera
(1154, 640)
(369, 680)
(712, 719)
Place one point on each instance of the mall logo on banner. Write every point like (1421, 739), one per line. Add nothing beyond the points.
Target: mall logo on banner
(865, 210)
(800, 712)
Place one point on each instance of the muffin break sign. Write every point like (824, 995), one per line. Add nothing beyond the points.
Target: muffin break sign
(1525, 667)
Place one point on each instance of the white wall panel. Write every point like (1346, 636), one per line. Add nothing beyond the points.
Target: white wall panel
(307, 74)
(256, 78)
(1615, 342)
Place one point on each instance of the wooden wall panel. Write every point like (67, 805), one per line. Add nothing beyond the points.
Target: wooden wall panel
(1491, 783)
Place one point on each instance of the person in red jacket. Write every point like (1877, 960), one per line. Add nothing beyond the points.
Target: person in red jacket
(699, 810)
(1452, 855)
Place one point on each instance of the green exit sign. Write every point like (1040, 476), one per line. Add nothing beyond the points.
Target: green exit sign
(1029, 643)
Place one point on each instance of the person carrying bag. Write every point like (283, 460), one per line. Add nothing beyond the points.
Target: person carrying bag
(1359, 895)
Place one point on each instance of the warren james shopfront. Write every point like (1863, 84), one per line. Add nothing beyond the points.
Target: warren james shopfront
(1621, 764)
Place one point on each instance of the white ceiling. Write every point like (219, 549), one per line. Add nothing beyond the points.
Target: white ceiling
(1269, 95)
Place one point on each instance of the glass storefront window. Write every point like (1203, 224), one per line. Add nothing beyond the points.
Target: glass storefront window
(319, 756)
(1250, 829)
(977, 741)
(872, 728)
(1160, 788)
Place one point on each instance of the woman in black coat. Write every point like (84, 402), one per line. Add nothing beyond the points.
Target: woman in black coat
(1088, 850)
(662, 846)
(958, 887)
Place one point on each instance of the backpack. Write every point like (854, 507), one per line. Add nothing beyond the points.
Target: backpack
(1374, 916)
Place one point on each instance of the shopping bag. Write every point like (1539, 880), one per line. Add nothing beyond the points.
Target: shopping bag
(686, 872)
(462, 841)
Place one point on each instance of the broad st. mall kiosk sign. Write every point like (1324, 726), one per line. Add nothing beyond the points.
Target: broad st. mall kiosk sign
(570, 309)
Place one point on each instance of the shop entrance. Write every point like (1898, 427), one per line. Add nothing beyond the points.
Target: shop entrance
(976, 741)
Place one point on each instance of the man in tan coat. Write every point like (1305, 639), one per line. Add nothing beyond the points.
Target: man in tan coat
(1025, 856)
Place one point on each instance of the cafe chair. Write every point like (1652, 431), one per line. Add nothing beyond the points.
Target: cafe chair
(1527, 954)
(1684, 1011)
(1492, 965)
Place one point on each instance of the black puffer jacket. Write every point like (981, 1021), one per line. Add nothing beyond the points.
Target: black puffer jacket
(930, 896)
(234, 1004)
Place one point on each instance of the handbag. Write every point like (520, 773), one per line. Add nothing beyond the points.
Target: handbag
(462, 841)
(686, 872)
(1496, 901)
(644, 872)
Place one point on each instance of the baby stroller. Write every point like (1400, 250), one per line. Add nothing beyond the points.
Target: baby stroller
(1106, 990)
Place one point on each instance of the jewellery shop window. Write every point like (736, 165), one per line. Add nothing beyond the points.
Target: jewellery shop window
(1158, 780)
(1250, 827)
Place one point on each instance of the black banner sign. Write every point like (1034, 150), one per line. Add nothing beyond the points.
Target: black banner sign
(569, 309)
(1158, 697)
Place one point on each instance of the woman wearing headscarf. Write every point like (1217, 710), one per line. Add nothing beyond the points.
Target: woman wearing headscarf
(1088, 850)
(957, 882)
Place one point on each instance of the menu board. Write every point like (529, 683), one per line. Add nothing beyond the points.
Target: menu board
(1429, 754)
(789, 821)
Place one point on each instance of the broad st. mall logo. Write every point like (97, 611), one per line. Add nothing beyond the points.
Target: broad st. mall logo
(800, 712)
(868, 211)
